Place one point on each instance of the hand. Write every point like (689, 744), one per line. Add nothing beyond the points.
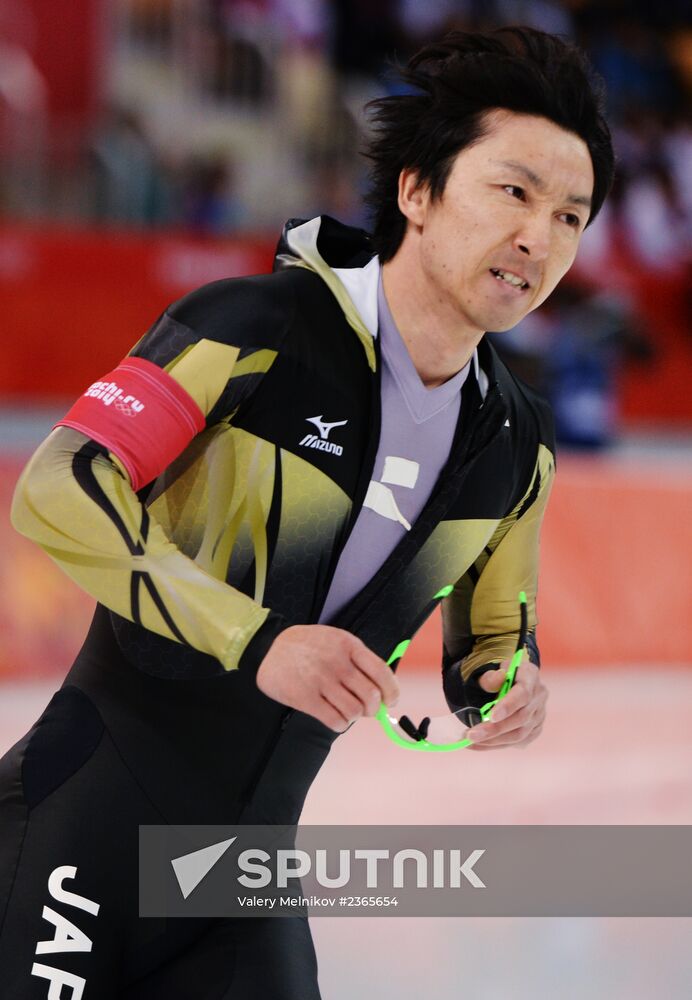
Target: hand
(328, 673)
(518, 718)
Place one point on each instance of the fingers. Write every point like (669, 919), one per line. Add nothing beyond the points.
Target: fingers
(522, 692)
(519, 743)
(376, 670)
(491, 681)
(367, 693)
(517, 739)
(518, 736)
(486, 730)
(344, 702)
(330, 716)
(356, 686)
(518, 718)
(328, 673)
(338, 706)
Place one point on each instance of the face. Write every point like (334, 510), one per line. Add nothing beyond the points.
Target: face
(508, 224)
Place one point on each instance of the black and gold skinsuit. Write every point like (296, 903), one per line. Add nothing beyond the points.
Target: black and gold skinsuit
(237, 538)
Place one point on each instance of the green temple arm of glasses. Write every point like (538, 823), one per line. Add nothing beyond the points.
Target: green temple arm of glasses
(511, 672)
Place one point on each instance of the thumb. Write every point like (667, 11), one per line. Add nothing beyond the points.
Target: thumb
(491, 680)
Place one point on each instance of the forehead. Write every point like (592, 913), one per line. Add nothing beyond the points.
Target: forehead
(560, 158)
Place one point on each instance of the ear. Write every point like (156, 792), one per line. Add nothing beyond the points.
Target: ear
(413, 197)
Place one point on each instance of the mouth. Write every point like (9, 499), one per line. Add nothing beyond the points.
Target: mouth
(515, 281)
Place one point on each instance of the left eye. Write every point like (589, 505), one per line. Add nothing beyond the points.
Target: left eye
(571, 220)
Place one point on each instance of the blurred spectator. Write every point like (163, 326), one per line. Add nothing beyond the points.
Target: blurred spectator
(301, 70)
(282, 84)
(571, 351)
(364, 35)
(545, 15)
(130, 183)
(22, 88)
(23, 103)
(209, 206)
(242, 50)
(651, 201)
(677, 155)
(592, 336)
(151, 21)
(336, 192)
(635, 65)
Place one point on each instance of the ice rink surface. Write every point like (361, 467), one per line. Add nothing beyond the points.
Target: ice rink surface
(616, 749)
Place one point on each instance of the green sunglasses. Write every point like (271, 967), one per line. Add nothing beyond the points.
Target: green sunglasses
(444, 733)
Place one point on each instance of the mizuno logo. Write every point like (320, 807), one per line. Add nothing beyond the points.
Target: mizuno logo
(109, 392)
(323, 428)
(322, 443)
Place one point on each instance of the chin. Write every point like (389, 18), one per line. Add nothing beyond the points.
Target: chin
(501, 324)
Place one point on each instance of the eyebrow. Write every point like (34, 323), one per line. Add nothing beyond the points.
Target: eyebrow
(539, 183)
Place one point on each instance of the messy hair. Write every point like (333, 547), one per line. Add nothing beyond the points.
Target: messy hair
(453, 86)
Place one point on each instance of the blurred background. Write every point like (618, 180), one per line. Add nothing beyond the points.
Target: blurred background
(149, 146)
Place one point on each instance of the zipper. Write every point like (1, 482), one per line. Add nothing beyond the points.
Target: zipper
(263, 763)
(365, 475)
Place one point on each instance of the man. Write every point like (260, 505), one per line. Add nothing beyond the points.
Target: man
(263, 497)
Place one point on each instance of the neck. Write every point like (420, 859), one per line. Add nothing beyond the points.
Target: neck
(439, 343)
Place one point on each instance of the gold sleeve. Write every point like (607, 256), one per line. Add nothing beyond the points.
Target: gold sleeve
(77, 502)
(482, 613)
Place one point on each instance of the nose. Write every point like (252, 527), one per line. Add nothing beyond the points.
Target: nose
(533, 239)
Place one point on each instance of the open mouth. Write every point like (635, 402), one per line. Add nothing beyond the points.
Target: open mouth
(509, 278)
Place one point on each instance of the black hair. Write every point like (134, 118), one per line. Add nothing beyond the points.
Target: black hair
(454, 84)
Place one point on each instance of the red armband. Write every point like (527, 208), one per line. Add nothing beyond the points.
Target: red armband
(141, 414)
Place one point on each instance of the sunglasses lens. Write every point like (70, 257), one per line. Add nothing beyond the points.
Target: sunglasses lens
(437, 731)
